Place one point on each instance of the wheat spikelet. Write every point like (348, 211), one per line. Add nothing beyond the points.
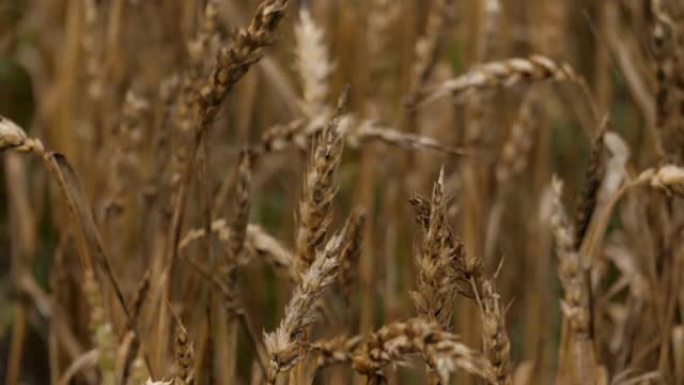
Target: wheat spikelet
(204, 41)
(232, 63)
(497, 346)
(594, 176)
(428, 46)
(299, 132)
(505, 73)
(123, 146)
(576, 349)
(369, 130)
(669, 178)
(515, 153)
(443, 351)
(312, 62)
(381, 15)
(337, 350)
(13, 137)
(283, 345)
(183, 353)
(490, 38)
(188, 85)
(281, 137)
(351, 250)
(100, 328)
(314, 211)
(668, 62)
(92, 51)
(241, 204)
(575, 304)
(421, 209)
(219, 227)
(443, 266)
(198, 48)
(439, 260)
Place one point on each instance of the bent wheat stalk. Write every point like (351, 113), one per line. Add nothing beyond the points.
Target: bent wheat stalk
(13, 137)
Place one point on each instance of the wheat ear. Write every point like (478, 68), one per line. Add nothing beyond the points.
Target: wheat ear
(312, 62)
(282, 345)
(576, 351)
(438, 261)
(505, 73)
(443, 351)
(497, 346)
(233, 62)
(314, 211)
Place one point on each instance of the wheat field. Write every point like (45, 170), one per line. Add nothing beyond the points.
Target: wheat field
(383, 192)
